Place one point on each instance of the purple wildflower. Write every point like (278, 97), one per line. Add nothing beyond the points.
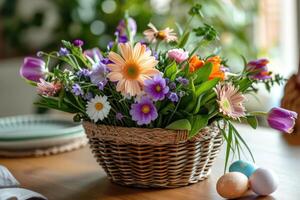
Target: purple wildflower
(63, 51)
(156, 88)
(110, 45)
(76, 89)
(83, 73)
(78, 43)
(33, 69)
(173, 97)
(282, 119)
(119, 116)
(182, 81)
(98, 74)
(172, 85)
(102, 84)
(122, 39)
(121, 28)
(143, 111)
(88, 96)
(258, 69)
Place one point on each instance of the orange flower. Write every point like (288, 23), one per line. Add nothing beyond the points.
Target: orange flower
(195, 63)
(216, 69)
(131, 68)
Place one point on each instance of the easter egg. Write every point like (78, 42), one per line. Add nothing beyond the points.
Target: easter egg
(263, 181)
(232, 185)
(243, 167)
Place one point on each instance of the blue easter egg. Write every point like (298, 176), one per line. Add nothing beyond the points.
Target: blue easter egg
(243, 167)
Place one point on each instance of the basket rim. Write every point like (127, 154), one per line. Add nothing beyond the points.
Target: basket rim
(146, 136)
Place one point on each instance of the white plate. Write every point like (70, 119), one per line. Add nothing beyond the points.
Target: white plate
(30, 127)
(42, 142)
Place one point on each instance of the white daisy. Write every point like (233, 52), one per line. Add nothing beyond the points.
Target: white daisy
(98, 108)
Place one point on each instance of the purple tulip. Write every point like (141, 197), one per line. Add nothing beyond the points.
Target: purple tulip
(282, 119)
(258, 69)
(33, 69)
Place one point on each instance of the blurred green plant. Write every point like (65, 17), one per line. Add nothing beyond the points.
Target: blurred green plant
(30, 25)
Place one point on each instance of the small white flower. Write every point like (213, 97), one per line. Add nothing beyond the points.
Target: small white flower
(98, 108)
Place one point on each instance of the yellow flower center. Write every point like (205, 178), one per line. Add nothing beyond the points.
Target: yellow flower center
(158, 88)
(98, 106)
(226, 105)
(161, 35)
(145, 109)
(131, 71)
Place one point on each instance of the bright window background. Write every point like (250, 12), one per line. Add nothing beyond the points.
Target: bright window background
(255, 28)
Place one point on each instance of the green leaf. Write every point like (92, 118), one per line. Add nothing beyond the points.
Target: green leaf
(206, 86)
(244, 84)
(203, 73)
(184, 40)
(252, 121)
(182, 124)
(170, 70)
(228, 146)
(197, 107)
(198, 122)
(168, 108)
(242, 140)
(61, 97)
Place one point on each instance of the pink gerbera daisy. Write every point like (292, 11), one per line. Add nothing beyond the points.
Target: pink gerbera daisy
(230, 100)
(153, 34)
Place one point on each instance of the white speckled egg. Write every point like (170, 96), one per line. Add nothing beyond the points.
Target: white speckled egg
(232, 185)
(263, 181)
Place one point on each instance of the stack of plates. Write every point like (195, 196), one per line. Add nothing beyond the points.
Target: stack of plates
(36, 135)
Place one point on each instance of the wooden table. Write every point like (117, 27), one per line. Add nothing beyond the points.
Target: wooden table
(77, 176)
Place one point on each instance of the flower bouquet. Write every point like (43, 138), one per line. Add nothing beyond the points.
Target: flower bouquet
(156, 112)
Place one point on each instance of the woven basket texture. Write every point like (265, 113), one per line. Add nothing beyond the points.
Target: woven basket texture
(154, 158)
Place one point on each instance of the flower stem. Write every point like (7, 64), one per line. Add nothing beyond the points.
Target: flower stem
(258, 113)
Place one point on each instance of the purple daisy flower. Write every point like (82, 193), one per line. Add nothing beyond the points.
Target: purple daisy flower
(173, 97)
(143, 111)
(156, 88)
(76, 89)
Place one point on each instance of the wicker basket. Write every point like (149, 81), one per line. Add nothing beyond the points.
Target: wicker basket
(156, 157)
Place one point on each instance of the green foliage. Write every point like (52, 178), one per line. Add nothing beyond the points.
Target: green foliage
(182, 124)
(207, 32)
(203, 73)
(198, 122)
(196, 10)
